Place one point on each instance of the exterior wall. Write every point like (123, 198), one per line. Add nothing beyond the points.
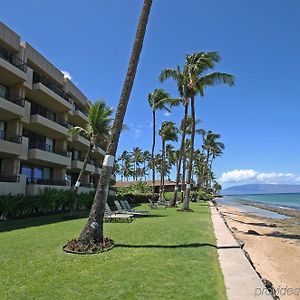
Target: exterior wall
(13, 188)
(62, 98)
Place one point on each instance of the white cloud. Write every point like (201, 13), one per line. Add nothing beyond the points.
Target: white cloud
(67, 75)
(167, 114)
(138, 132)
(248, 176)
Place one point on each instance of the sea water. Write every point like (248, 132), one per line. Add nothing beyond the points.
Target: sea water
(284, 201)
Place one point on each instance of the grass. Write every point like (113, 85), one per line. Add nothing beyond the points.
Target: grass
(170, 255)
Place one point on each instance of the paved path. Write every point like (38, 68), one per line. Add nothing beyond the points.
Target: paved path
(241, 280)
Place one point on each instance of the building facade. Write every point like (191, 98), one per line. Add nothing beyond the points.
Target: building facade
(37, 107)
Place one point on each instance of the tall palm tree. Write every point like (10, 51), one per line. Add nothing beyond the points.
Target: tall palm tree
(97, 130)
(213, 149)
(167, 132)
(196, 67)
(93, 230)
(123, 157)
(182, 86)
(146, 159)
(158, 100)
(137, 157)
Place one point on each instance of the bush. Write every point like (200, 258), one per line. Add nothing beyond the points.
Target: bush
(202, 195)
(49, 202)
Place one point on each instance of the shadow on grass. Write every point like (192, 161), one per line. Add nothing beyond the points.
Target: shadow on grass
(192, 245)
(15, 224)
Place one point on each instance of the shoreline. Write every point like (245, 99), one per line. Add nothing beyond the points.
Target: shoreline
(272, 244)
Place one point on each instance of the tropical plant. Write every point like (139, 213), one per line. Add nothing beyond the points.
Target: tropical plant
(158, 100)
(167, 132)
(197, 79)
(93, 230)
(137, 158)
(96, 131)
(213, 149)
(182, 87)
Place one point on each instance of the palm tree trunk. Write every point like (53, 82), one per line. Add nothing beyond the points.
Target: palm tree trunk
(186, 201)
(162, 173)
(152, 156)
(93, 230)
(208, 175)
(79, 179)
(174, 199)
(183, 173)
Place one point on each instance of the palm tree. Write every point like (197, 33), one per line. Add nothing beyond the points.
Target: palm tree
(157, 100)
(167, 132)
(123, 157)
(137, 157)
(146, 160)
(196, 66)
(213, 149)
(93, 230)
(96, 130)
(182, 87)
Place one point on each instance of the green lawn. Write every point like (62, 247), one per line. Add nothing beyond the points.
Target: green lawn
(170, 255)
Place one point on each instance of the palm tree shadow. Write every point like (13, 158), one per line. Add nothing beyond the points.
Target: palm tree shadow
(192, 245)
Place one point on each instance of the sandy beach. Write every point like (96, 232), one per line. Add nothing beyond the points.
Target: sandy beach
(273, 245)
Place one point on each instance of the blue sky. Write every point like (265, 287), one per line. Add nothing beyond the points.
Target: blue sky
(259, 42)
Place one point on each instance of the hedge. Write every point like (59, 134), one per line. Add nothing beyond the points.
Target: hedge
(53, 201)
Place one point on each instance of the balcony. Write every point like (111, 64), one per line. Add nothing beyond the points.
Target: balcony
(12, 69)
(36, 186)
(10, 145)
(49, 95)
(39, 153)
(78, 116)
(12, 184)
(79, 142)
(12, 108)
(78, 164)
(46, 122)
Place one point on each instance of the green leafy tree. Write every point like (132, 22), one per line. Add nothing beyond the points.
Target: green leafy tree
(167, 132)
(96, 131)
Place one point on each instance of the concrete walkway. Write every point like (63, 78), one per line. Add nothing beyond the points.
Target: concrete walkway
(241, 280)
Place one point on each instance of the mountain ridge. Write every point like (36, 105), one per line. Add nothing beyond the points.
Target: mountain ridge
(261, 189)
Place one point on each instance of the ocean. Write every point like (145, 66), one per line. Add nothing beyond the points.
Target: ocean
(285, 201)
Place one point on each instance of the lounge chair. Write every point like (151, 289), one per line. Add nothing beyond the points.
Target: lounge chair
(128, 208)
(113, 216)
(122, 209)
(152, 204)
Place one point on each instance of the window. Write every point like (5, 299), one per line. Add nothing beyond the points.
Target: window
(38, 173)
(49, 145)
(46, 173)
(3, 91)
(2, 129)
(26, 170)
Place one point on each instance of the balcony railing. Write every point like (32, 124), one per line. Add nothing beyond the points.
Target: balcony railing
(42, 111)
(12, 59)
(16, 99)
(47, 148)
(46, 181)
(77, 107)
(37, 78)
(9, 178)
(10, 137)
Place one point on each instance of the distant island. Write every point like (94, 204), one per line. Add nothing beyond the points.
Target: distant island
(261, 189)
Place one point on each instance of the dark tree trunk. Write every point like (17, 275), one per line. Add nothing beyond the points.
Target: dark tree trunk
(183, 173)
(186, 201)
(162, 174)
(93, 230)
(152, 155)
(174, 199)
(79, 179)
